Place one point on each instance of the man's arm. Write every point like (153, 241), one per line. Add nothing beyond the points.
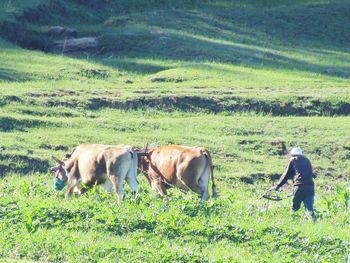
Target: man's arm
(285, 176)
(313, 172)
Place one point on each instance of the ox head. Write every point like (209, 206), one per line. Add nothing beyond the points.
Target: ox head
(60, 174)
(143, 159)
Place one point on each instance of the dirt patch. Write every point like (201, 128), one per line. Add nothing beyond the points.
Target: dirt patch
(190, 104)
(258, 177)
(278, 147)
(22, 164)
(54, 147)
(187, 103)
(214, 105)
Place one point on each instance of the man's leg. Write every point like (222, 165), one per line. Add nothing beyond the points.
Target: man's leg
(309, 205)
(297, 199)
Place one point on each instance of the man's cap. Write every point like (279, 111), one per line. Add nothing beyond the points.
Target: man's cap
(296, 151)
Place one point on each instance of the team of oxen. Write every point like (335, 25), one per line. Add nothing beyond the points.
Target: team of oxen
(187, 168)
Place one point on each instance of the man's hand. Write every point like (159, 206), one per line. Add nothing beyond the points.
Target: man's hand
(272, 188)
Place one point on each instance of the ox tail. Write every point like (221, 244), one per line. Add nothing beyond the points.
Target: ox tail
(134, 161)
(210, 163)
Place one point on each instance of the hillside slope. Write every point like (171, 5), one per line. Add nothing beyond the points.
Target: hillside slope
(236, 58)
(246, 79)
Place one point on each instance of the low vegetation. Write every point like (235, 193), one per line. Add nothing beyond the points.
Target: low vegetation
(249, 153)
(245, 79)
(39, 224)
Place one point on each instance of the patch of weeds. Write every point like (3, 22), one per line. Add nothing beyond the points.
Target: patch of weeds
(94, 73)
(166, 79)
(54, 147)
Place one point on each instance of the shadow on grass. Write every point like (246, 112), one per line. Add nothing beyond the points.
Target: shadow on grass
(197, 48)
(131, 66)
(259, 177)
(11, 75)
(9, 124)
(21, 164)
(248, 37)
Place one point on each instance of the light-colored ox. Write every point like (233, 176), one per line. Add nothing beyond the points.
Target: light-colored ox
(188, 168)
(91, 164)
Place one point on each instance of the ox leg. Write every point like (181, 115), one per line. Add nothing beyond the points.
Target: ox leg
(118, 186)
(160, 188)
(72, 184)
(116, 176)
(189, 181)
(185, 179)
(108, 186)
(133, 183)
(199, 186)
(203, 183)
(204, 189)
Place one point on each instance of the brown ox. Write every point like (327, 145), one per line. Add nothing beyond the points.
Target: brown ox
(188, 168)
(91, 164)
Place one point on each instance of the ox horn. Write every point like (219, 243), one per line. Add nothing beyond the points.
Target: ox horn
(142, 151)
(57, 160)
(145, 147)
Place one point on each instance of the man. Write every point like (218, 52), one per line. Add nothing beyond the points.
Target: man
(299, 169)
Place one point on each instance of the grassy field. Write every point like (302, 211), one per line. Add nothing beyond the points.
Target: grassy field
(245, 79)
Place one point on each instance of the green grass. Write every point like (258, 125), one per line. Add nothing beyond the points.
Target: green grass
(62, 80)
(245, 79)
(235, 228)
(39, 225)
(241, 143)
(223, 55)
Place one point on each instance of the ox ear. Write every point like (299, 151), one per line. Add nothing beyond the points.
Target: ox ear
(141, 154)
(53, 169)
(57, 160)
